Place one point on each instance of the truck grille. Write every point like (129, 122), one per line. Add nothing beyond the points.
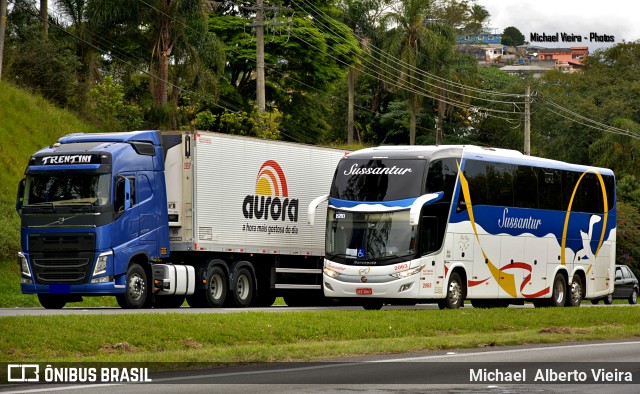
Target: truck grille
(62, 259)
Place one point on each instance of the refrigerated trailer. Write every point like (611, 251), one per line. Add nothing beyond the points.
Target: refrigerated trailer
(152, 218)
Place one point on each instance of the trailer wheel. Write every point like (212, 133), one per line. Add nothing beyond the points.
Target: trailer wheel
(137, 289)
(243, 287)
(52, 301)
(558, 291)
(455, 293)
(214, 293)
(575, 294)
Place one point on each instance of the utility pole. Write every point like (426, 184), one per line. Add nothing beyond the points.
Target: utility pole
(527, 121)
(3, 27)
(260, 96)
(259, 24)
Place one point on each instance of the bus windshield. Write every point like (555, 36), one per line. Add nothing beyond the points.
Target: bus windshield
(67, 188)
(358, 238)
(378, 180)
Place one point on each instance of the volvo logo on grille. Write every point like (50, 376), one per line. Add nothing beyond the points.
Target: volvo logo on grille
(61, 220)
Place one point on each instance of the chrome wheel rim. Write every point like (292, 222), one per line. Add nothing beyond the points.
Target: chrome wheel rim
(242, 287)
(215, 287)
(136, 286)
(455, 293)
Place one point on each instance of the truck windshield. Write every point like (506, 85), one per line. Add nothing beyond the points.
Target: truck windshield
(69, 188)
(369, 238)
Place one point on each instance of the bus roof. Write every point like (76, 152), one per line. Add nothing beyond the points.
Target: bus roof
(507, 156)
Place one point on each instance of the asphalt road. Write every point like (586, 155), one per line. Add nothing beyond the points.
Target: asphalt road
(444, 372)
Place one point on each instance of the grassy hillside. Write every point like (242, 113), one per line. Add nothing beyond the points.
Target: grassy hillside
(27, 123)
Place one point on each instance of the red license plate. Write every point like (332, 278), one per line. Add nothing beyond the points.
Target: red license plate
(364, 291)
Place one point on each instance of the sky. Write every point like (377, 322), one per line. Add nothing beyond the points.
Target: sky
(617, 18)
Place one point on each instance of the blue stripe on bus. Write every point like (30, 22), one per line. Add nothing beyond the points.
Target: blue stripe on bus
(338, 203)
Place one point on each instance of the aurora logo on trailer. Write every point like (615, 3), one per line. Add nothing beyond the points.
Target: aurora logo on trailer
(271, 199)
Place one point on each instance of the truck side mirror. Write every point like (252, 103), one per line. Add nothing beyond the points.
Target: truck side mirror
(122, 197)
(20, 197)
(127, 193)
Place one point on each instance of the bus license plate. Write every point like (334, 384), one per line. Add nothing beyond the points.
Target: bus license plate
(364, 291)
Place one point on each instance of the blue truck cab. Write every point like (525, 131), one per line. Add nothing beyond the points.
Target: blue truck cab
(93, 211)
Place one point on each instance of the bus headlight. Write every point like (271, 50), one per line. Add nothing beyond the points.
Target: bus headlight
(101, 264)
(24, 266)
(330, 273)
(407, 273)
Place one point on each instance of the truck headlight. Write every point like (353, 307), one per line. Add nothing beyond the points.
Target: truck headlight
(330, 273)
(101, 264)
(407, 273)
(24, 266)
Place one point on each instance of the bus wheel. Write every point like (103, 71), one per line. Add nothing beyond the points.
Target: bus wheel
(608, 300)
(455, 293)
(595, 301)
(136, 291)
(243, 287)
(52, 301)
(575, 295)
(559, 291)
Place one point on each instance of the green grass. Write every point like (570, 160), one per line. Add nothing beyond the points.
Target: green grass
(28, 123)
(264, 336)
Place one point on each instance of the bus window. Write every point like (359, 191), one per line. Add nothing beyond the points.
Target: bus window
(525, 187)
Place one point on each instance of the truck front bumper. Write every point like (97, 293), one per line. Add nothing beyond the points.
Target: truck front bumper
(89, 289)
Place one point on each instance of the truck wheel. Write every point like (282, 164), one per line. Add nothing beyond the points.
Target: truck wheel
(633, 298)
(216, 288)
(558, 291)
(243, 287)
(168, 301)
(52, 301)
(455, 293)
(136, 290)
(575, 294)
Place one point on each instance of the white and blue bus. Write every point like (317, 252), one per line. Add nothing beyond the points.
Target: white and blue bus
(412, 224)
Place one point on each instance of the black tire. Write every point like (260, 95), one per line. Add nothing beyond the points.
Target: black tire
(576, 292)
(595, 301)
(633, 298)
(136, 294)
(52, 301)
(486, 304)
(215, 291)
(372, 305)
(455, 293)
(608, 300)
(243, 287)
(558, 291)
(168, 301)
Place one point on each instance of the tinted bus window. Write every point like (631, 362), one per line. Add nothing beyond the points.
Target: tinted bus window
(525, 187)
(441, 177)
(550, 189)
(500, 184)
(378, 180)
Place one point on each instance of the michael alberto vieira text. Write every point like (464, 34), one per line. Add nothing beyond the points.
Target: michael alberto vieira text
(546, 375)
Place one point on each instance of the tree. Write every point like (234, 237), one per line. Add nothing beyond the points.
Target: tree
(511, 36)
(164, 23)
(415, 41)
(478, 16)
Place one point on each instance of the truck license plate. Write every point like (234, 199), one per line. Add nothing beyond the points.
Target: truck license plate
(364, 291)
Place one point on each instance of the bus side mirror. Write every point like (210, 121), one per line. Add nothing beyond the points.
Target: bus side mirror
(313, 205)
(20, 197)
(416, 207)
